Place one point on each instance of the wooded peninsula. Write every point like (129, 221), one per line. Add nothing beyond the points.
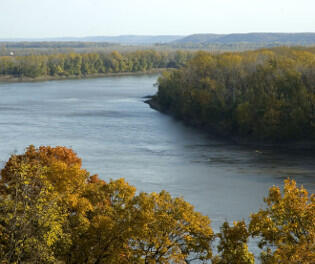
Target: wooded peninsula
(265, 96)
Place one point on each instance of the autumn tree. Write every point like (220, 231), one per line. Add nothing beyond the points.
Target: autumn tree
(286, 227)
(110, 224)
(232, 246)
(168, 230)
(58, 175)
(31, 218)
(49, 203)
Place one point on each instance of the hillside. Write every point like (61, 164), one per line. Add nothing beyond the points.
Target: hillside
(254, 38)
(123, 39)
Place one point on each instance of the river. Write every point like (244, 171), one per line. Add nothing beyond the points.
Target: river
(117, 135)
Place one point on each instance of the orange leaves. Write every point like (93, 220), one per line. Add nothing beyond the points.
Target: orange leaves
(49, 154)
(62, 167)
(95, 179)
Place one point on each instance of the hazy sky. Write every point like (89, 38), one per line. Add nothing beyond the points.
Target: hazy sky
(58, 18)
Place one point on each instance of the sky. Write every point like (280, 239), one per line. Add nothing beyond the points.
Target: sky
(79, 18)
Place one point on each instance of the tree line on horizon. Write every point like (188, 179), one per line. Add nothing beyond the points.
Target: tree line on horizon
(76, 64)
(265, 95)
(53, 211)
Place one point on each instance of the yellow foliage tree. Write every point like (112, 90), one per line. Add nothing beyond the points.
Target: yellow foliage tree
(31, 220)
(286, 228)
(110, 224)
(72, 217)
(233, 245)
(168, 230)
(57, 173)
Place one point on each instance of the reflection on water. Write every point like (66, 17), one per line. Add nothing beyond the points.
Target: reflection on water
(106, 122)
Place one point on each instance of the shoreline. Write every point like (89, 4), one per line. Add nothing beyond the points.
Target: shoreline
(213, 131)
(12, 79)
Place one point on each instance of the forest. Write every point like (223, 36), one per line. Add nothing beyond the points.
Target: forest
(53, 211)
(76, 64)
(266, 95)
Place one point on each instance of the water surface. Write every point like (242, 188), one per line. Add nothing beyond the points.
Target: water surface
(106, 122)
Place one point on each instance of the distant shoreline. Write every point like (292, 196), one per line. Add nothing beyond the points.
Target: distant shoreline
(12, 79)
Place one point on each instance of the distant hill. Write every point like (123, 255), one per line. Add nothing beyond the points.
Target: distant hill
(135, 40)
(123, 39)
(199, 38)
(214, 42)
(254, 38)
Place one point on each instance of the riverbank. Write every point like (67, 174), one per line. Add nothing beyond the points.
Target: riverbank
(12, 79)
(216, 131)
